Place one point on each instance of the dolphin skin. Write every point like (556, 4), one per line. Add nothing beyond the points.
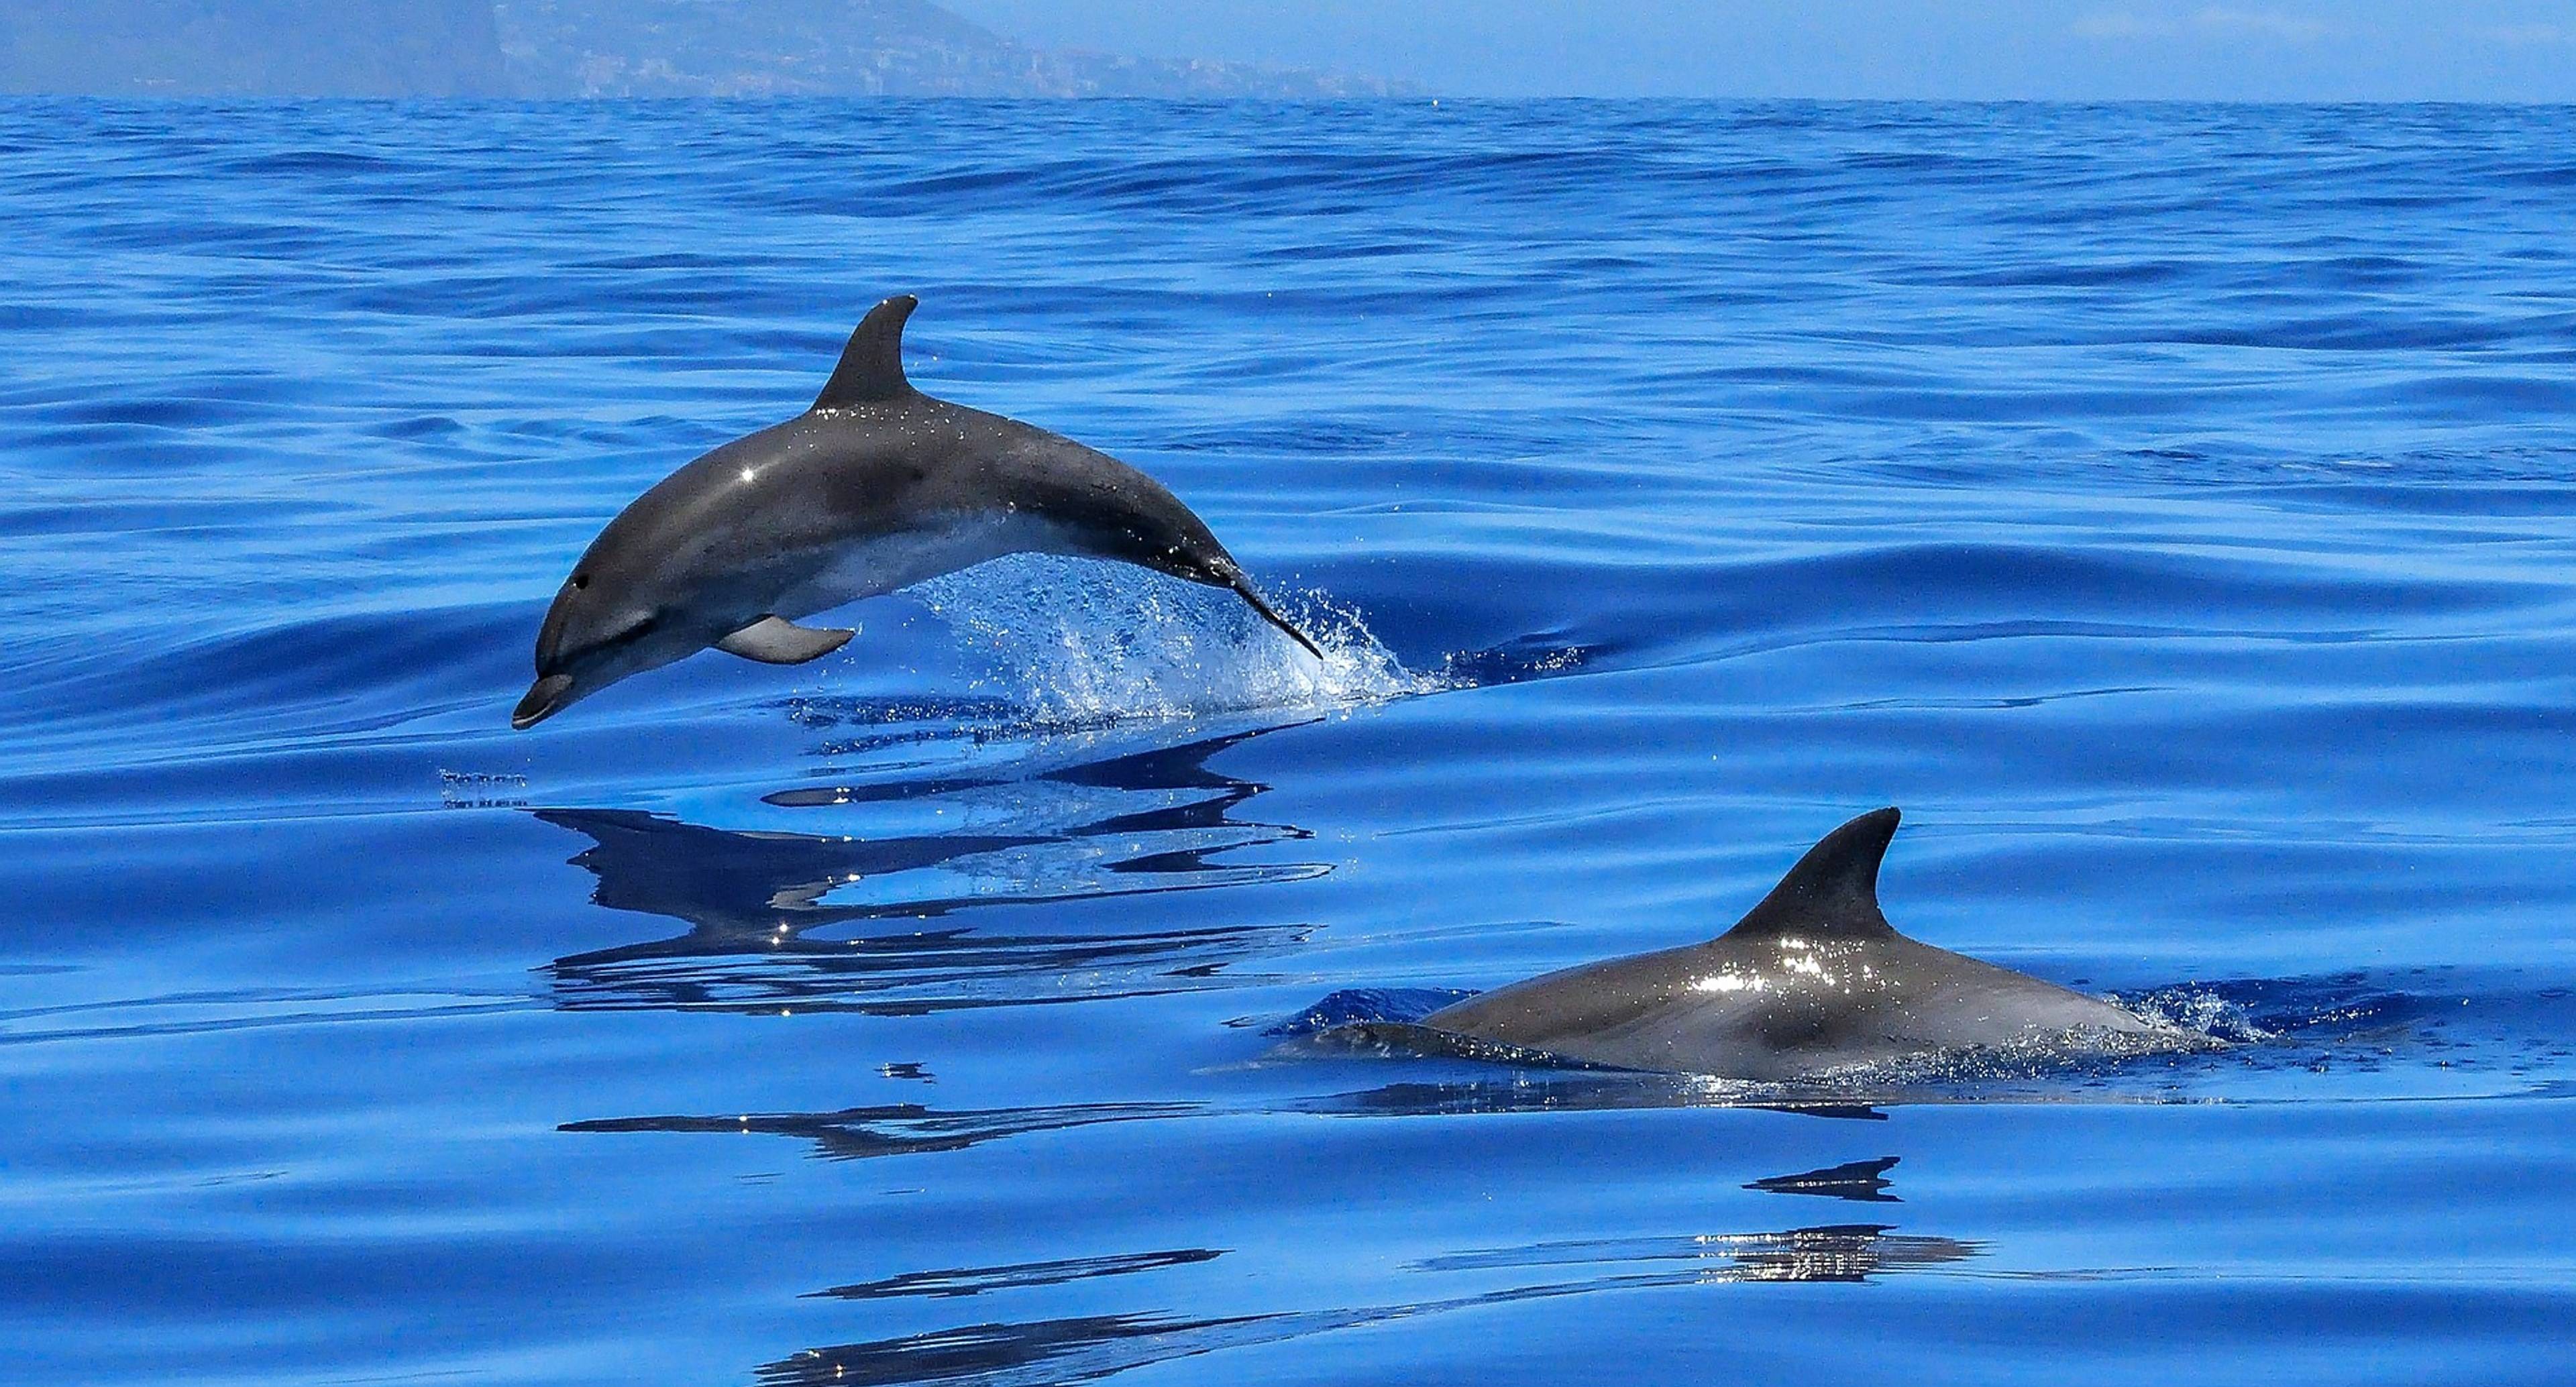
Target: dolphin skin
(876, 487)
(1813, 980)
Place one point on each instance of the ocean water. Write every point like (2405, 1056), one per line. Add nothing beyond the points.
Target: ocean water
(2168, 507)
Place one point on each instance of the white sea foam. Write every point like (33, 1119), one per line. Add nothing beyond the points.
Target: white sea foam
(1084, 643)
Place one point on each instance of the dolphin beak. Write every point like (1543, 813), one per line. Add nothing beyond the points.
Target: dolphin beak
(545, 698)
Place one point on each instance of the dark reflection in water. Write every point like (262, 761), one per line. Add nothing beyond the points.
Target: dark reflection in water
(1863, 1182)
(1836, 1252)
(895, 1129)
(1041, 1351)
(1557, 1090)
(1142, 823)
(970, 1281)
(1090, 1347)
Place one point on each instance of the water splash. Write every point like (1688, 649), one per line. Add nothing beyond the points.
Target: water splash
(1084, 643)
(2199, 1008)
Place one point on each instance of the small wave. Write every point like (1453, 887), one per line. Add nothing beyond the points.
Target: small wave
(1360, 1006)
(248, 1008)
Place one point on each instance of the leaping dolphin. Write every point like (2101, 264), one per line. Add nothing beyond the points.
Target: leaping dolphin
(876, 487)
(1813, 980)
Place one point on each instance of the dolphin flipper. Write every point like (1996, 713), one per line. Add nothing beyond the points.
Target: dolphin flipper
(778, 641)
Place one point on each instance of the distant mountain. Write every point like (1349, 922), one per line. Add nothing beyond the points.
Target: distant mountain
(251, 48)
(843, 47)
(573, 48)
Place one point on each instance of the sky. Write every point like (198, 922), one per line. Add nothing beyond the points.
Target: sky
(2250, 50)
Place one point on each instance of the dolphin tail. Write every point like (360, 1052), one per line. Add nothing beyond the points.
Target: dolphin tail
(1243, 588)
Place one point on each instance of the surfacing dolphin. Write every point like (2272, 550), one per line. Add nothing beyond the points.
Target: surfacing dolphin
(876, 487)
(1813, 980)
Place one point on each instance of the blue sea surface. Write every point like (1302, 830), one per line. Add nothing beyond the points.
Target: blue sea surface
(2171, 508)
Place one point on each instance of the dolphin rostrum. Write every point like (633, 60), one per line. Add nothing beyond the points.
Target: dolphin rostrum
(876, 487)
(1813, 980)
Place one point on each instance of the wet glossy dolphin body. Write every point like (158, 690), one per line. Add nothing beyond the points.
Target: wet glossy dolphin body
(877, 487)
(1813, 980)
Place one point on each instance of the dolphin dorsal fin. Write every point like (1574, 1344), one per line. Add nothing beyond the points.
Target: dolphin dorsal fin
(872, 365)
(1833, 891)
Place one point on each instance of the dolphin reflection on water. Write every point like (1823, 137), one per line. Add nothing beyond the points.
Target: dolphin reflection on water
(1100, 1345)
(755, 900)
(1086, 1348)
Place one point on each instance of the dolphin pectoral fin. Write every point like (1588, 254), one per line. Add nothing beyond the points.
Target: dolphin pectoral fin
(1244, 589)
(777, 641)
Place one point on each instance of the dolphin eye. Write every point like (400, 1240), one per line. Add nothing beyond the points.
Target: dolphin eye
(581, 581)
